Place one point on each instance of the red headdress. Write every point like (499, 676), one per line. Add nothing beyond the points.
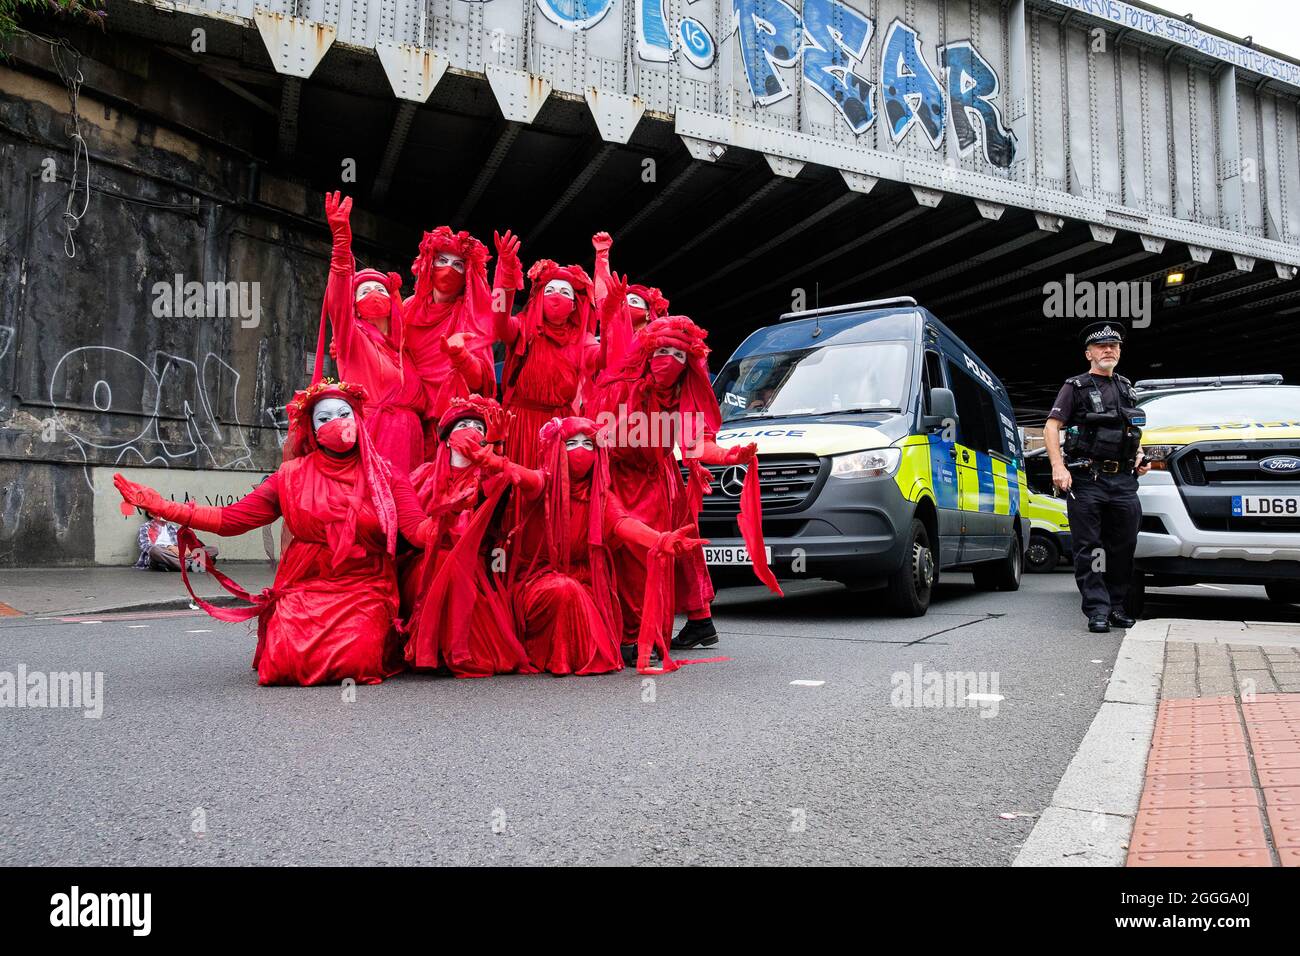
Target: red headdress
(580, 320)
(396, 337)
(477, 296)
(373, 479)
(656, 304)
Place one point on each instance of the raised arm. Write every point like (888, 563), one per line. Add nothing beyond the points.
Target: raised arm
(601, 242)
(338, 290)
(508, 279)
(260, 507)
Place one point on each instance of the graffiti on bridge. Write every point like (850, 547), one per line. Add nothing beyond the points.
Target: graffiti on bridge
(832, 39)
(171, 388)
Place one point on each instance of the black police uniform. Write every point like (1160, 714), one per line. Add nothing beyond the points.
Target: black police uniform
(1102, 420)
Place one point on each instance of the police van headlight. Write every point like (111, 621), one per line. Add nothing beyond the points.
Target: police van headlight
(872, 463)
(1158, 455)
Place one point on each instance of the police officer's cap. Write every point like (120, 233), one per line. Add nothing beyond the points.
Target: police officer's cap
(1099, 333)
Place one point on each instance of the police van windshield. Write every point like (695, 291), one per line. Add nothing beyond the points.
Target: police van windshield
(862, 377)
(1223, 406)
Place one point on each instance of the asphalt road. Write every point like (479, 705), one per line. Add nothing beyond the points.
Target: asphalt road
(717, 763)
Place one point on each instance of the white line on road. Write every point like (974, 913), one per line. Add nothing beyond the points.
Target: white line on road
(806, 683)
(134, 626)
(200, 631)
(984, 697)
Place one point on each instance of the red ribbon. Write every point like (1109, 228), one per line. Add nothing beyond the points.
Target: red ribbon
(751, 528)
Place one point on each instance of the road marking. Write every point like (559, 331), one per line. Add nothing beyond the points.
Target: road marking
(806, 683)
(984, 697)
(200, 631)
(1213, 587)
(92, 622)
(134, 626)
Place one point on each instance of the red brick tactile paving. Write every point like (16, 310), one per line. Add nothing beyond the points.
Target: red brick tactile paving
(1222, 784)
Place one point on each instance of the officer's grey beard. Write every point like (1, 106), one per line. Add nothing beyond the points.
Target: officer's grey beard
(1107, 364)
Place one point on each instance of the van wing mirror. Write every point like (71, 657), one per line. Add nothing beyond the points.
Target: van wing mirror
(943, 409)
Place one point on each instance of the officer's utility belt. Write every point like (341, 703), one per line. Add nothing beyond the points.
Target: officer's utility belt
(1102, 466)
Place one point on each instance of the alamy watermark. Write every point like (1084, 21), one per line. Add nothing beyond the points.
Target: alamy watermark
(1084, 299)
(208, 300)
(948, 689)
(57, 689)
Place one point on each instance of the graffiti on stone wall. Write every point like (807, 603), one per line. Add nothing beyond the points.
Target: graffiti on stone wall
(832, 40)
(202, 398)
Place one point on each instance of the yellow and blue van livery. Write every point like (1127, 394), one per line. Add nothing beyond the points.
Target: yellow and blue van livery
(1049, 531)
(888, 452)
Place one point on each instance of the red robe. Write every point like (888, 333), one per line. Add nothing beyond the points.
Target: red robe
(372, 359)
(460, 616)
(428, 324)
(563, 626)
(648, 480)
(332, 611)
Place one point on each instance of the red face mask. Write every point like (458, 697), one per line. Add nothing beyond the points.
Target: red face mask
(338, 434)
(666, 370)
(447, 280)
(373, 305)
(556, 307)
(581, 461)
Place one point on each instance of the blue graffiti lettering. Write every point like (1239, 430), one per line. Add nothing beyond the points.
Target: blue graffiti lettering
(912, 94)
(697, 43)
(972, 84)
(836, 38)
(575, 14)
(652, 40)
(769, 32)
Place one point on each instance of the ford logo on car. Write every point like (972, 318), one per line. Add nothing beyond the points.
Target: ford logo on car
(1280, 463)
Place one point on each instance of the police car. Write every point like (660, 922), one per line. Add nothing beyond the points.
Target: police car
(1222, 500)
(888, 453)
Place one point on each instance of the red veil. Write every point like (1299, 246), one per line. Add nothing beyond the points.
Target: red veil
(581, 322)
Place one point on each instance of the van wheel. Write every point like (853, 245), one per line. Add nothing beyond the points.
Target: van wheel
(1043, 553)
(1136, 600)
(1000, 575)
(910, 586)
(1283, 592)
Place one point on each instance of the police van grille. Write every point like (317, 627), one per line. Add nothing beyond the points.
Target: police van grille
(784, 481)
(1236, 465)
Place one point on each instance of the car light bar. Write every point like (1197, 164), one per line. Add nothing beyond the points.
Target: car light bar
(850, 307)
(1216, 381)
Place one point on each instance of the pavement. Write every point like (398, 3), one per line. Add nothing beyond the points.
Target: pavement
(835, 734)
(1194, 757)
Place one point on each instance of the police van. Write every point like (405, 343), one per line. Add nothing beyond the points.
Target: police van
(887, 453)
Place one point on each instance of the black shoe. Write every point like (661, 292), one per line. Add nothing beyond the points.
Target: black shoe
(1120, 619)
(1099, 625)
(695, 633)
(629, 654)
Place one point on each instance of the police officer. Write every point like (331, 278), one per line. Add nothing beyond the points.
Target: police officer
(1097, 471)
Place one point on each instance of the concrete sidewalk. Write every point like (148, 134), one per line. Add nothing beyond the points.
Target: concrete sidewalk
(48, 591)
(1193, 759)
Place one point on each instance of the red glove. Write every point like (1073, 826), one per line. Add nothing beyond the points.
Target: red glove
(601, 242)
(679, 541)
(456, 347)
(338, 213)
(470, 443)
(740, 454)
(615, 297)
(188, 513)
(394, 285)
(510, 271)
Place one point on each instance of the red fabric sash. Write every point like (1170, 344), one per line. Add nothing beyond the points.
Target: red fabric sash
(657, 618)
(750, 520)
(258, 604)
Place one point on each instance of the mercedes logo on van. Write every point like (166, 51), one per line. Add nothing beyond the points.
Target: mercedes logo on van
(733, 481)
(1283, 464)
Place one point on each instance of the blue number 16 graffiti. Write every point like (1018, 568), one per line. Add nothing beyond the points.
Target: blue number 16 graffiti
(833, 37)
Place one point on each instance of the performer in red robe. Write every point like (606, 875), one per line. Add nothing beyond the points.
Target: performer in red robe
(364, 310)
(550, 350)
(331, 613)
(461, 617)
(665, 382)
(449, 326)
(563, 593)
(624, 308)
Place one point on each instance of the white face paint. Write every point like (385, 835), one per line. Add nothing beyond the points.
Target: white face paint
(560, 286)
(675, 353)
(328, 409)
(580, 441)
(636, 302)
(457, 459)
(370, 285)
(450, 259)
